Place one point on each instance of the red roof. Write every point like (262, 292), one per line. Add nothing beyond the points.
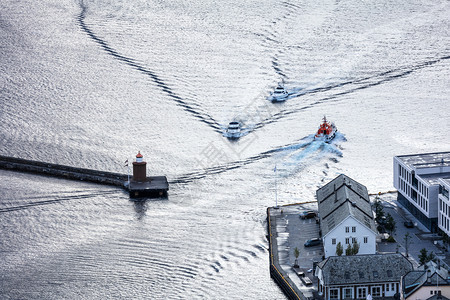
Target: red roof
(139, 155)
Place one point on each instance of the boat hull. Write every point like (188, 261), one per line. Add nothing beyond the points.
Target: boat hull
(327, 138)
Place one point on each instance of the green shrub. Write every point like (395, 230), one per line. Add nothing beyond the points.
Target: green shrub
(390, 239)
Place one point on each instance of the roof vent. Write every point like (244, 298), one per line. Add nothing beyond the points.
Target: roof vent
(354, 203)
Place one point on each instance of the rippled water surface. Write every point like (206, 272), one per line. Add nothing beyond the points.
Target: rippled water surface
(89, 83)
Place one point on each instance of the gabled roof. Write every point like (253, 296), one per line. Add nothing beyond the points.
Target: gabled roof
(366, 268)
(343, 197)
(431, 275)
(437, 297)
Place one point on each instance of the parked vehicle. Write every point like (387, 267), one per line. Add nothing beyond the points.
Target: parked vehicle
(408, 224)
(308, 214)
(313, 242)
(299, 272)
(306, 281)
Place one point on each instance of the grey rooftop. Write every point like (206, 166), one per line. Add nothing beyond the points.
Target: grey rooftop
(426, 160)
(343, 197)
(368, 268)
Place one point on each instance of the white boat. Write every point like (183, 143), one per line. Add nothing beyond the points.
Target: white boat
(279, 94)
(234, 130)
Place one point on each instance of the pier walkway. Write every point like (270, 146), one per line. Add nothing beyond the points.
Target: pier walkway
(286, 232)
(154, 186)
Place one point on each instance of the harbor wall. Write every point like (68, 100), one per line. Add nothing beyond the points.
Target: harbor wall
(276, 272)
(61, 171)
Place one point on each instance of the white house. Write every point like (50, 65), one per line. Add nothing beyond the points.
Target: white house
(345, 215)
(358, 276)
(416, 177)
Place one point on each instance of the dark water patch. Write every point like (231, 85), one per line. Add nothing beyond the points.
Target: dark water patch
(54, 201)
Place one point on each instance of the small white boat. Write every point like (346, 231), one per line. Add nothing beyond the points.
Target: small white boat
(234, 130)
(279, 94)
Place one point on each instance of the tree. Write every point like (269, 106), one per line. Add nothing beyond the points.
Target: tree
(379, 213)
(390, 224)
(355, 248)
(423, 256)
(348, 250)
(296, 254)
(339, 249)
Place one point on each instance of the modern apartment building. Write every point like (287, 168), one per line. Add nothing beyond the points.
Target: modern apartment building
(418, 177)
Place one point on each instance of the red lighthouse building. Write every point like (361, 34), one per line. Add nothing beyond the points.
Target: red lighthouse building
(143, 186)
(139, 168)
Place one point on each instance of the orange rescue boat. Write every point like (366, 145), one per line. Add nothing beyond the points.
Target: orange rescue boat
(327, 131)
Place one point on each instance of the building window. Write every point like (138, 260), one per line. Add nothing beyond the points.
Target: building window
(347, 229)
(366, 239)
(387, 287)
(362, 292)
(333, 241)
(347, 240)
(393, 287)
(348, 293)
(376, 291)
(354, 240)
(334, 293)
(353, 229)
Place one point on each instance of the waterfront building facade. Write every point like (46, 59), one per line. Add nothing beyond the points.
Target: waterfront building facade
(355, 277)
(444, 205)
(416, 177)
(345, 216)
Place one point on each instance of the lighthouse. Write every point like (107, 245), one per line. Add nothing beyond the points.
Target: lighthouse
(143, 186)
(139, 168)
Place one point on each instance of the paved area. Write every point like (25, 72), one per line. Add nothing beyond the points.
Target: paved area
(292, 232)
(420, 237)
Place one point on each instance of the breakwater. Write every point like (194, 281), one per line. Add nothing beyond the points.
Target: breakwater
(62, 171)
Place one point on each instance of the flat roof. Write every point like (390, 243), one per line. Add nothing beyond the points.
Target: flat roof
(446, 180)
(434, 178)
(426, 160)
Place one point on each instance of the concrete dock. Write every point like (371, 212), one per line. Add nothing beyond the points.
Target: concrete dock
(286, 232)
(153, 186)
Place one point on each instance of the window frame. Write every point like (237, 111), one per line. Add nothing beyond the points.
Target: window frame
(345, 290)
(359, 294)
(331, 296)
(379, 290)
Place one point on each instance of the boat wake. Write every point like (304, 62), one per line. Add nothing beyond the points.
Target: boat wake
(189, 106)
(57, 199)
(291, 157)
(294, 158)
